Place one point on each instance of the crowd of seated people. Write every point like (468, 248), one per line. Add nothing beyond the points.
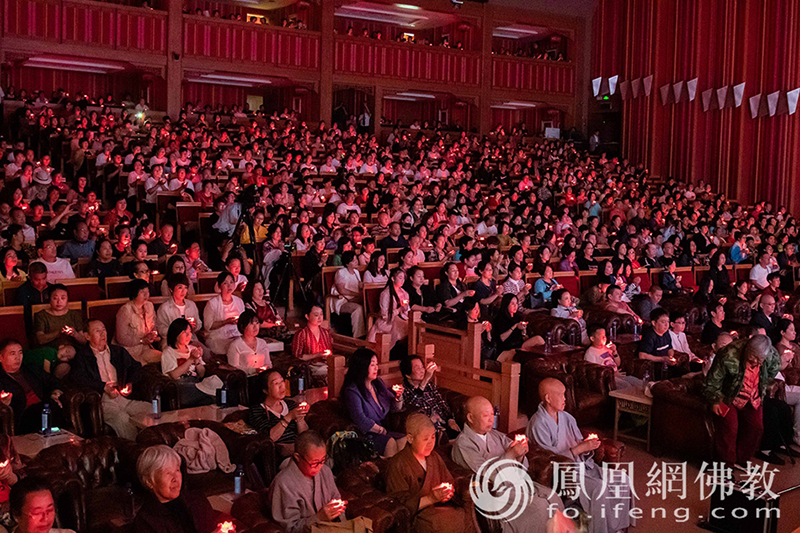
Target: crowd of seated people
(534, 50)
(405, 37)
(459, 228)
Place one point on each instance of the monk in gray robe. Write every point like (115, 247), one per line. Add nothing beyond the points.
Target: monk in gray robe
(304, 492)
(418, 477)
(479, 443)
(556, 430)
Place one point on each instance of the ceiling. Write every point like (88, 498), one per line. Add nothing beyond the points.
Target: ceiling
(579, 8)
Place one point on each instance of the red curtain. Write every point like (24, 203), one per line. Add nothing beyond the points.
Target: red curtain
(722, 43)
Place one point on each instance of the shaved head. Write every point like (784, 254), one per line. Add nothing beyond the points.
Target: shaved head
(480, 414)
(418, 422)
(553, 393)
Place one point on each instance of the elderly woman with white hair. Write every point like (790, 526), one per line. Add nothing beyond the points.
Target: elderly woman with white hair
(168, 508)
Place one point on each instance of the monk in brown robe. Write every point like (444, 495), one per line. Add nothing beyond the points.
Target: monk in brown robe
(418, 477)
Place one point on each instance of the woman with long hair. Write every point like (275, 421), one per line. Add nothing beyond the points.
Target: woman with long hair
(183, 362)
(376, 269)
(394, 309)
(511, 331)
(452, 290)
(368, 401)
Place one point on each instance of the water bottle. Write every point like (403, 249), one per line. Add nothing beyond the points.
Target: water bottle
(301, 384)
(573, 338)
(664, 370)
(612, 330)
(130, 511)
(548, 346)
(496, 417)
(46, 419)
(223, 396)
(636, 332)
(645, 379)
(157, 407)
(238, 480)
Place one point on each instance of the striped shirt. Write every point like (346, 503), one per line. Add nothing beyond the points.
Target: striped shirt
(263, 420)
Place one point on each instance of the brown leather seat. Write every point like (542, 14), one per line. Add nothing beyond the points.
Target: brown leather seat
(256, 453)
(681, 420)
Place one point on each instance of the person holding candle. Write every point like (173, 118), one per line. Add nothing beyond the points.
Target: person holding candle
(277, 416)
(168, 507)
(222, 314)
(256, 299)
(347, 293)
(179, 306)
(183, 362)
(656, 344)
(108, 369)
(418, 477)
(510, 331)
(26, 389)
(314, 343)
(58, 324)
(602, 352)
(394, 309)
(136, 324)
(419, 392)
(555, 430)
(368, 401)
(479, 443)
(304, 492)
(249, 352)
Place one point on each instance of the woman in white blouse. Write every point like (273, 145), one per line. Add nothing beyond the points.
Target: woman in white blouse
(249, 352)
(183, 362)
(221, 315)
(346, 290)
(376, 269)
(394, 309)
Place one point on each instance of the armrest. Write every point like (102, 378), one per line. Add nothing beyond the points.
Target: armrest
(153, 383)
(610, 451)
(235, 381)
(249, 508)
(598, 378)
(386, 513)
(72, 400)
(7, 419)
(254, 452)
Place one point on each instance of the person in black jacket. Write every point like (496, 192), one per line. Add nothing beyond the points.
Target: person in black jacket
(168, 508)
(110, 370)
(30, 389)
(766, 317)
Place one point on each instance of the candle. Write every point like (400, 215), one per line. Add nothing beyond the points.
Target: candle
(397, 388)
(405, 302)
(592, 436)
(327, 353)
(520, 438)
(155, 272)
(126, 390)
(263, 368)
(524, 323)
(227, 527)
(191, 320)
(303, 405)
(278, 323)
(4, 463)
(445, 485)
(325, 392)
(4, 395)
(339, 503)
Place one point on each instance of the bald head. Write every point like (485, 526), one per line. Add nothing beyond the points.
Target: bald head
(479, 414)
(417, 423)
(553, 393)
(767, 304)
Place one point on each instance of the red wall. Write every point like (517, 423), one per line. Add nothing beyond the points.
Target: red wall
(94, 85)
(721, 42)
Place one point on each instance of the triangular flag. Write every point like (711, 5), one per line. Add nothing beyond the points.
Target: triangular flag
(706, 96)
(636, 87)
(755, 102)
(691, 88)
(722, 96)
(625, 89)
(738, 94)
(648, 84)
(612, 84)
(772, 102)
(596, 86)
(791, 100)
(664, 90)
(677, 90)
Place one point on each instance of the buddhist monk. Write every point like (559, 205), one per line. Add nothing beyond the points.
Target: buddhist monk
(418, 477)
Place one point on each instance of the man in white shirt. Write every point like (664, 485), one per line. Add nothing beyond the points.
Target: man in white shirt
(486, 227)
(348, 205)
(57, 267)
(154, 184)
(760, 271)
(677, 327)
(137, 176)
(18, 217)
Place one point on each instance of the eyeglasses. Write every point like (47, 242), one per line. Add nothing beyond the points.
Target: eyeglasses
(315, 464)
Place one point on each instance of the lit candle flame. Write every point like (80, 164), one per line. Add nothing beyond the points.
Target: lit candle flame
(327, 352)
(4, 463)
(5, 395)
(278, 323)
(339, 503)
(592, 436)
(227, 527)
(303, 405)
(446, 485)
(520, 438)
(126, 390)
(397, 388)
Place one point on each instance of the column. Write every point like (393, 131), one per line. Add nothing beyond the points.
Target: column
(484, 112)
(326, 62)
(174, 70)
